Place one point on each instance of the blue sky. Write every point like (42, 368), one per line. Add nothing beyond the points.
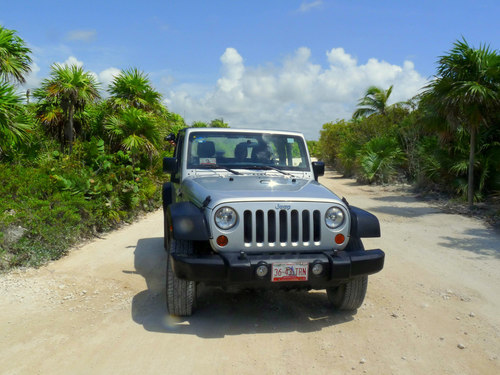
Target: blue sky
(283, 64)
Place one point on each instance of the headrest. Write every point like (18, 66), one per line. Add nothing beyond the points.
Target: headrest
(241, 151)
(206, 149)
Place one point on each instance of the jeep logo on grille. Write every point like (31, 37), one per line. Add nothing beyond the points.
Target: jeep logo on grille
(282, 206)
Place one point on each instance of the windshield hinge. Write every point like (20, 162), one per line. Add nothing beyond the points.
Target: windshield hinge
(206, 202)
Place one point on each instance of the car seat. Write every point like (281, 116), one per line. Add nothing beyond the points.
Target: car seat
(241, 151)
(206, 149)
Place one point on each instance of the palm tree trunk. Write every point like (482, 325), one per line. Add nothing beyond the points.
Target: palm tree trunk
(69, 128)
(472, 152)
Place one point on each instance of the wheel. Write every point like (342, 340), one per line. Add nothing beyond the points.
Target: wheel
(349, 296)
(181, 294)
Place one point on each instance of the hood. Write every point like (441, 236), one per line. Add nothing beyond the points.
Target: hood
(237, 188)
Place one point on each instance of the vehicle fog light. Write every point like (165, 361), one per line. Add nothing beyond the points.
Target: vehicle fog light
(317, 269)
(262, 270)
(222, 241)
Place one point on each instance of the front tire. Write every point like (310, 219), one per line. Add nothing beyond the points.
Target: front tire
(181, 294)
(349, 296)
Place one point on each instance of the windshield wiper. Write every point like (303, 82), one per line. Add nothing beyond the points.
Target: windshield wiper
(216, 166)
(267, 168)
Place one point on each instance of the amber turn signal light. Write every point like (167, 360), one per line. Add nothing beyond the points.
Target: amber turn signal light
(339, 239)
(222, 241)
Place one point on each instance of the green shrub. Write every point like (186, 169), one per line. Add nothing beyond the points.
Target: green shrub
(60, 199)
(379, 159)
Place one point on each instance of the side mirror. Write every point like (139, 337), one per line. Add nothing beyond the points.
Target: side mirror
(318, 169)
(169, 165)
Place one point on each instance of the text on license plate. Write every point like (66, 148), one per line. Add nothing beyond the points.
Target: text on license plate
(290, 271)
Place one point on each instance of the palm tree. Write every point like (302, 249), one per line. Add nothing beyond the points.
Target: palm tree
(465, 90)
(51, 116)
(14, 56)
(218, 123)
(374, 102)
(199, 124)
(133, 88)
(14, 63)
(14, 123)
(72, 89)
(135, 130)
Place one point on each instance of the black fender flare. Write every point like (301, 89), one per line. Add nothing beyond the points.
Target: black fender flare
(167, 200)
(363, 223)
(187, 222)
(166, 195)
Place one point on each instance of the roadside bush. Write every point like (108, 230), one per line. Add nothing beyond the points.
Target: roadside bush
(313, 148)
(330, 140)
(379, 159)
(63, 199)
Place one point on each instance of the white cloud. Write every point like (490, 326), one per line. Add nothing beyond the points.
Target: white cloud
(307, 6)
(81, 35)
(233, 70)
(32, 79)
(337, 56)
(297, 95)
(106, 76)
(72, 60)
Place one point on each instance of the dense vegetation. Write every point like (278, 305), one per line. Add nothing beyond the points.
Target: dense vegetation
(77, 160)
(446, 138)
(74, 164)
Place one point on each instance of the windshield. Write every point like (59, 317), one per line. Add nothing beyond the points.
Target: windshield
(246, 150)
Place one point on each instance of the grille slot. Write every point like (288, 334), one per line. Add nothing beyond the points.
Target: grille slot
(247, 226)
(259, 226)
(295, 226)
(281, 227)
(306, 224)
(317, 227)
(271, 224)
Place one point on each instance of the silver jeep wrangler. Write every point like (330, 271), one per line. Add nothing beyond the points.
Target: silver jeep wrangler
(244, 209)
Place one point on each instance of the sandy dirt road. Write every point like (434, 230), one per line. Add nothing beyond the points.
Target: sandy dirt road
(434, 309)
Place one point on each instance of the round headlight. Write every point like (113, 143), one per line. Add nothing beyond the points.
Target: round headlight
(334, 217)
(225, 218)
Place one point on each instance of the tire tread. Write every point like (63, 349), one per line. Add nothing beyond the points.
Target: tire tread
(350, 296)
(180, 293)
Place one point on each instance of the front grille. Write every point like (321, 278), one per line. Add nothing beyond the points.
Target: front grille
(281, 227)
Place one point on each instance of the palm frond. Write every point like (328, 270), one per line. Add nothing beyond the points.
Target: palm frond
(14, 56)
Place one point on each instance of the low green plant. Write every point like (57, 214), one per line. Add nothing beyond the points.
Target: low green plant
(379, 159)
(59, 199)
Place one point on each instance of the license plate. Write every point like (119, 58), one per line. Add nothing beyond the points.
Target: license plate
(290, 272)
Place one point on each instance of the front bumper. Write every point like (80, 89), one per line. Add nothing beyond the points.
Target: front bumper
(240, 268)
